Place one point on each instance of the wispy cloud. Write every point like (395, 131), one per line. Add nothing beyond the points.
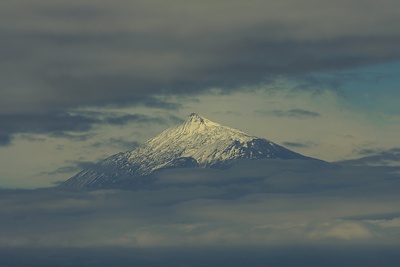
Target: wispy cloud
(128, 118)
(294, 113)
(376, 157)
(5, 139)
(117, 143)
(71, 125)
(71, 168)
(299, 144)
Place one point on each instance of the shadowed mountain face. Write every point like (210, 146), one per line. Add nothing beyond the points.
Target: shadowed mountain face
(195, 143)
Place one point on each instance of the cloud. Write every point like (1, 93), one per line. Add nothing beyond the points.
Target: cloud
(290, 202)
(343, 230)
(59, 124)
(5, 139)
(258, 212)
(147, 49)
(71, 168)
(117, 143)
(128, 118)
(298, 144)
(313, 256)
(71, 125)
(376, 157)
(74, 136)
(43, 123)
(294, 113)
(56, 57)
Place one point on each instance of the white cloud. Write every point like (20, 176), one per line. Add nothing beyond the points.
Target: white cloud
(343, 230)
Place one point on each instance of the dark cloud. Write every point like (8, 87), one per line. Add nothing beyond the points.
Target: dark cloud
(94, 53)
(298, 145)
(312, 256)
(56, 57)
(74, 137)
(376, 157)
(68, 125)
(282, 176)
(71, 168)
(83, 12)
(280, 203)
(229, 112)
(67, 169)
(294, 113)
(44, 123)
(156, 103)
(128, 118)
(32, 138)
(5, 139)
(367, 151)
(56, 124)
(117, 143)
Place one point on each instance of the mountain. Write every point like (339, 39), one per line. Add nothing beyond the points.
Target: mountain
(197, 142)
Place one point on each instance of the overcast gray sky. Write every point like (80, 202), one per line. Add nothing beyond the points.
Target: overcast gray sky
(82, 80)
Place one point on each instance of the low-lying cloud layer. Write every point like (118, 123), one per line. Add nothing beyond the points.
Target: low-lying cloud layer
(377, 157)
(256, 204)
(259, 211)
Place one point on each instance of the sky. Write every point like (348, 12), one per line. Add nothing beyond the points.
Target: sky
(83, 80)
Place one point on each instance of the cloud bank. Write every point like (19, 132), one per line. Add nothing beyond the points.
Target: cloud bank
(259, 208)
(96, 53)
(60, 58)
(259, 203)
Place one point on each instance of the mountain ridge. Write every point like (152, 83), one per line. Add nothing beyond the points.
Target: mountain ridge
(196, 142)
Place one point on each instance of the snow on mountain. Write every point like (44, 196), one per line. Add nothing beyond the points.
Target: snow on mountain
(197, 142)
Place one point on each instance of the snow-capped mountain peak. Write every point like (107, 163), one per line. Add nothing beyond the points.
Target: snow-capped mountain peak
(196, 142)
(197, 131)
(196, 118)
(195, 123)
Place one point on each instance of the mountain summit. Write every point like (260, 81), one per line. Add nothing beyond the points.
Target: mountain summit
(196, 142)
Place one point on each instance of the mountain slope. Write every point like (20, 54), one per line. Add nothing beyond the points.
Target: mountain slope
(197, 142)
